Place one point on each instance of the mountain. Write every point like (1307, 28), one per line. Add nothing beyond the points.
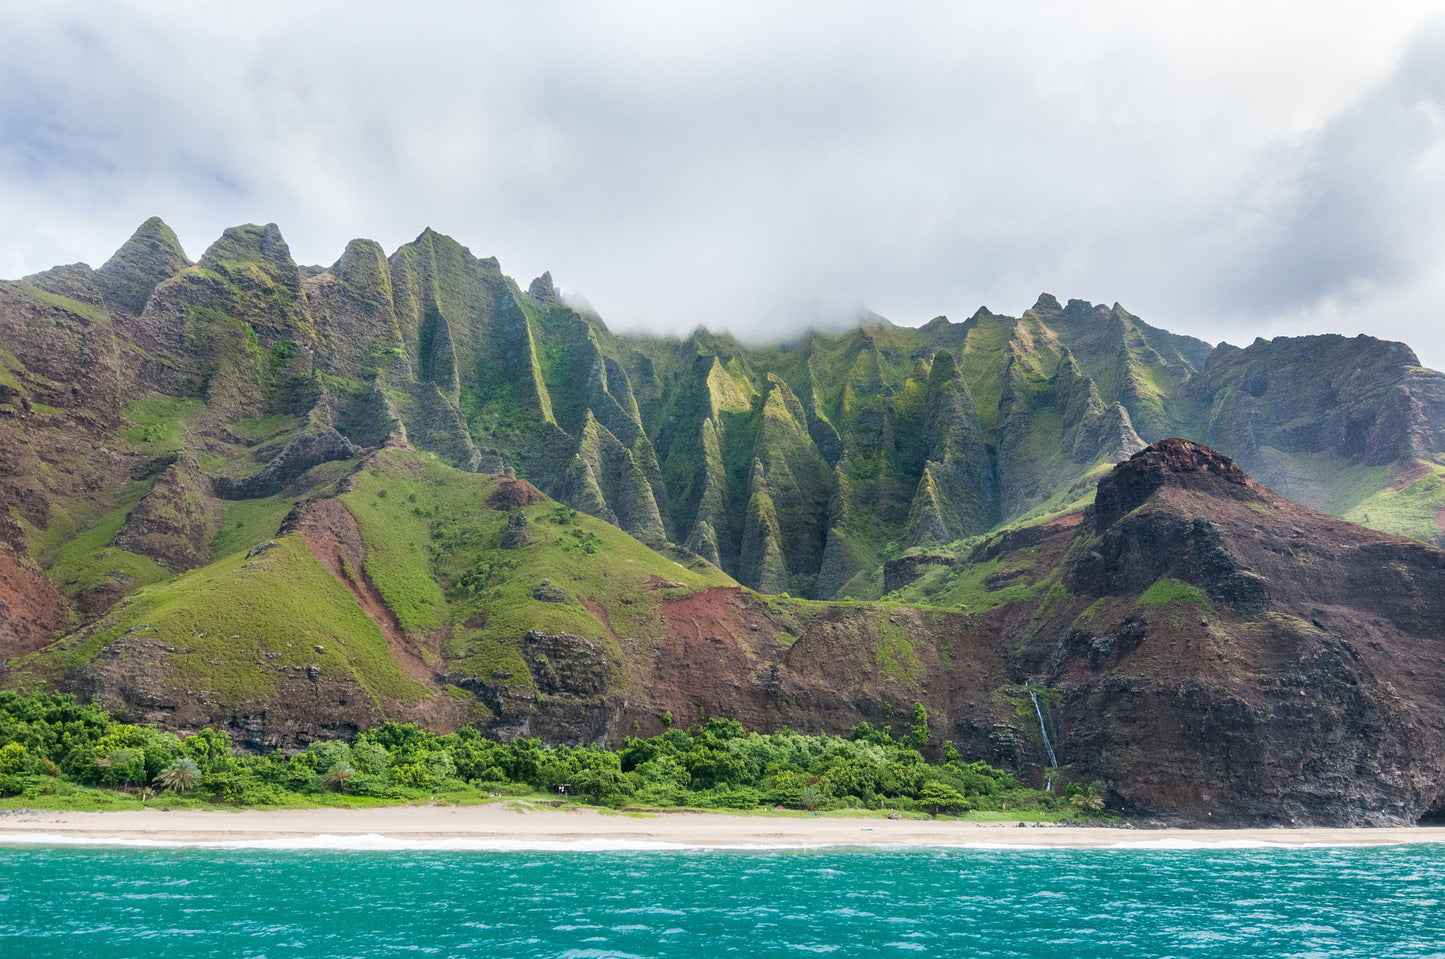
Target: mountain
(295, 501)
(1216, 651)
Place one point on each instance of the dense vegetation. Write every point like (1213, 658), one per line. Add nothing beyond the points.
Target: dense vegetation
(50, 745)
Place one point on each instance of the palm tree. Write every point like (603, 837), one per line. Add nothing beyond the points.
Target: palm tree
(338, 774)
(1088, 798)
(180, 775)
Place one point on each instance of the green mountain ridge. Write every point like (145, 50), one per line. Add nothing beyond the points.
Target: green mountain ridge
(798, 467)
(201, 461)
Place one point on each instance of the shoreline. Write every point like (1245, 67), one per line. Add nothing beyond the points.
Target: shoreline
(502, 826)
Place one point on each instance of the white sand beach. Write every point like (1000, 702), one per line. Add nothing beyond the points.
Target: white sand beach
(511, 825)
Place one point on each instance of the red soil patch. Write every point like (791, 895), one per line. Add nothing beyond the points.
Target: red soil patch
(331, 534)
(1403, 476)
(514, 494)
(719, 612)
(598, 610)
(31, 611)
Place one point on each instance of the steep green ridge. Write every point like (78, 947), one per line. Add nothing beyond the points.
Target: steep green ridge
(294, 503)
(242, 385)
(448, 640)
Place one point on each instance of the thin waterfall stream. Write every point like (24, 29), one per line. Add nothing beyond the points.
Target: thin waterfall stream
(1044, 732)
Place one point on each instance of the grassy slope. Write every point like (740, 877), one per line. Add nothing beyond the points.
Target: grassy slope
(224, 618)
(433, 552)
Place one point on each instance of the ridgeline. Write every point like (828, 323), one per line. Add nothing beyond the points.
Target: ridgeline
(295, 503)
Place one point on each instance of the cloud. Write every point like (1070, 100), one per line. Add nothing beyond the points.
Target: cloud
(1350, 218)
(1223, 170)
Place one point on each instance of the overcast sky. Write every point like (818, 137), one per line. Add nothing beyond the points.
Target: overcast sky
(1222, 169)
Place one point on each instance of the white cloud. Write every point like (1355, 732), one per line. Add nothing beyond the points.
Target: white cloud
(1222, 169)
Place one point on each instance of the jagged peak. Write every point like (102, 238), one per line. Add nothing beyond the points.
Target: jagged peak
(436, 242)
(1175, 463)
(153, 237)
(250, 243)
(151, 256)
(1031, 333)
(943, 367)
(781, 399)
(542, 290)
(1047, 303)
(360, 246)
(362, 263)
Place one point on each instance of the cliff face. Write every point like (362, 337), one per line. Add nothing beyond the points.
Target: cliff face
(161, 421)
(799, 467)
(1208, 649)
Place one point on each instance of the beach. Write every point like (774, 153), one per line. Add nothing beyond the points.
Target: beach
(521, 825)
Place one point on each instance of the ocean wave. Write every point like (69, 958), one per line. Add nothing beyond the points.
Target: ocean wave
(375, 842)
(1177, 843)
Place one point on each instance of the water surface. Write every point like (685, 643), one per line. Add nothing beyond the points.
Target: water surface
(1115, 903)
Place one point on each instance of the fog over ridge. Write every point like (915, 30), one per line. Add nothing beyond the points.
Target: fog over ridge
(1246, 170)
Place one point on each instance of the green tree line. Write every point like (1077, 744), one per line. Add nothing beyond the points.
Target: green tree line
(47, 740)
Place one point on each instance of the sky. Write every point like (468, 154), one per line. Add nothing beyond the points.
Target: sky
(1227, 170)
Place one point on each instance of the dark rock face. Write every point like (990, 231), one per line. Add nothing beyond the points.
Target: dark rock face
(150, 257)
(1176, 463)
(300, 455)
(1306, 689)
(898, 573)
(549, 594)
(1362, 399)
(515, 536)
(542, 290)
(567, 664)
(176, 521)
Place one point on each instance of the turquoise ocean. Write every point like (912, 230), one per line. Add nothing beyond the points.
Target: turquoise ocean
(146, 901)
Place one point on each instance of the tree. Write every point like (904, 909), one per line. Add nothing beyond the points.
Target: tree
(918, 733)
(1088, 798)
(124, 765)
(941, 796)
(180, 776)
(337, 776)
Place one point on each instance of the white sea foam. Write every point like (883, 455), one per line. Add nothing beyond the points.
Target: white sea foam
(374, 842)
(1177, 843)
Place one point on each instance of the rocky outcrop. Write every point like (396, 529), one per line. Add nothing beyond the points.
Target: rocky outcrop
(150, 257)
(1175, 463)
(516, 535)
(898, 573)
(1277, 665)
(176, 521)
(298, 456)
(542, 290)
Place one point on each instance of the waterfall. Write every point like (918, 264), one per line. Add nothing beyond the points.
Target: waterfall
(1044, 732)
